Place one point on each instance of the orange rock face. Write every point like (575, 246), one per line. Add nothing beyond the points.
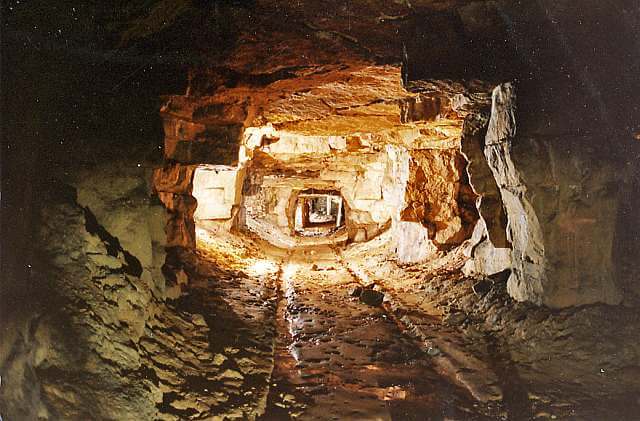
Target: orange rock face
(439, 196)
(173, 185)
(173, 178)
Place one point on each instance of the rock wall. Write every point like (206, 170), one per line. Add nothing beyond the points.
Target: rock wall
(217, 191)
(173, 184)
(561, 200)
(489, 249)
(99, 340)
(208, 139)
(438, 195)
(74, 352)
(269, 195)
(626, 252)
(427, 186)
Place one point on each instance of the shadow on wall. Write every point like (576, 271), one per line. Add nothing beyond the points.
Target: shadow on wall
(563, 201)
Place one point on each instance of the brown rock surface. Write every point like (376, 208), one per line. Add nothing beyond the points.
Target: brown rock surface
(439, 197)
(562, 243)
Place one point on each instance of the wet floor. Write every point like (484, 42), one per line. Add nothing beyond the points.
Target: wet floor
(278, 335)
(338, 358)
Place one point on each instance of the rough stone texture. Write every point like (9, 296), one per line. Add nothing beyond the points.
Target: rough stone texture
(328, 127)
(625, 253)
(411, 301)
(173, 185)
(576, 197)
(412, 242)
(119, 198)
(484, 258)
(482, 181)
(180, 228)
(489, 249)
(195, 142)
(340, 358)
(217, 191)
(173, 178)
(104, 344)
(569, 363)
(269, 198)
(439, 197)
(559, 194)
(356, 102)
(430, 185)
(102, 286)
(562, 241)
(524, 232)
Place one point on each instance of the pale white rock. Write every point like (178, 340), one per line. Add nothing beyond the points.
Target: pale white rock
(502, 124)
(412, 243)
(485, 259)
(337, 142)
(561, 203)
(523, 229)
(217, 191)
(289, 144)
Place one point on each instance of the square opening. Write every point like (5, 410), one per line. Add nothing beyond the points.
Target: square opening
(318, 213)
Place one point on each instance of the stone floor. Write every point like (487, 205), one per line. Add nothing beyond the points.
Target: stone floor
(264, 333)
(577, 363)
(438, 347)
(339, 358)
(213, 354)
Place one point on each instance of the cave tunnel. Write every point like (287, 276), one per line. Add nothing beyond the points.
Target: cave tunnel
(317, 214)
(337, 210)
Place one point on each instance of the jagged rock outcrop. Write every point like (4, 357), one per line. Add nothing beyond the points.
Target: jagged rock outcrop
(485, 259)
(103, 342)
(85, 326)
(173, 185)
(327, 127)
(560, 201)
(488, 247)
(77, 355)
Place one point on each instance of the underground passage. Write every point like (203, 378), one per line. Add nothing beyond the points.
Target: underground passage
(321, 210)
(318, 214)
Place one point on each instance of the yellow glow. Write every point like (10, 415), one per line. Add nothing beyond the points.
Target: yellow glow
(289, 270)
(262, 267)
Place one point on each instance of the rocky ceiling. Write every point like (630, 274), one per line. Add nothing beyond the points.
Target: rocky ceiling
(563, 56)
(283, 54)
(365, 103)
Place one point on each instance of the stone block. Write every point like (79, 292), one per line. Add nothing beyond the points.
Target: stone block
(412, 242)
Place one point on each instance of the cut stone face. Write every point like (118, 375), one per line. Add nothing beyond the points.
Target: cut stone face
(216, 190)
(412, 243)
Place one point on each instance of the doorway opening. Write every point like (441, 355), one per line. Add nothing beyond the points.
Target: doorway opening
(319, 213)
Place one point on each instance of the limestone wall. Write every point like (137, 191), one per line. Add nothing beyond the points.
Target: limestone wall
(217, 191)
(439, 196)
(270, 197)
(73, 351)
(561, 200)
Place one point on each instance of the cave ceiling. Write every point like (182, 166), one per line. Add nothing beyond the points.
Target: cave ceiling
(547, 47)
(331, 70)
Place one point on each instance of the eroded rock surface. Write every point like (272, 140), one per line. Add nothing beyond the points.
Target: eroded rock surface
(111, 347)
(562, 243)
(546, 363)
(111, 318)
